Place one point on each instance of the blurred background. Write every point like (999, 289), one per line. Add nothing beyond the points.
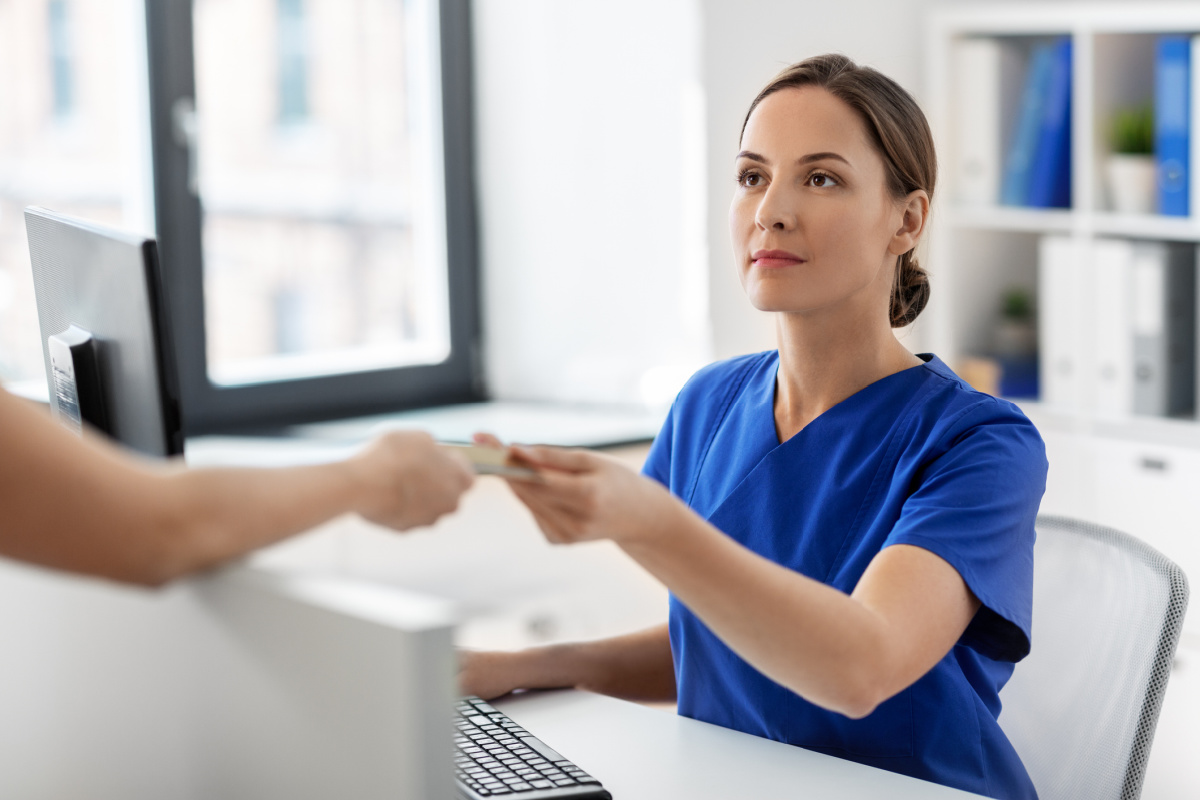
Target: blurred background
(604, 139)
(584, 261)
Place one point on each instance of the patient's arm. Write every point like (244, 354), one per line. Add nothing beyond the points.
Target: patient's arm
(83, 505)
(637, 666)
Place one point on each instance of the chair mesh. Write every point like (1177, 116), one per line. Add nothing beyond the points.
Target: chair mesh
(1082, 707)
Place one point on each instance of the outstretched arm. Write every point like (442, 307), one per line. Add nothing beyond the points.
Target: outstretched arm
(85, 506)
(847, 653)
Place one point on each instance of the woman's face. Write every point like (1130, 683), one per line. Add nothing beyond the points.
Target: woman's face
(812, 219)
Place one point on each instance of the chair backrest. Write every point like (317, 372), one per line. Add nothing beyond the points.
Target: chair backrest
(1082, 707)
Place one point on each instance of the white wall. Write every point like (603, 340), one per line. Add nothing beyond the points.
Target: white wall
(591, 163)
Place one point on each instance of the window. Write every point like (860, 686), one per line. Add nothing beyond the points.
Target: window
(315, 209)
(74, 137)
(293, 62)
(62, 79)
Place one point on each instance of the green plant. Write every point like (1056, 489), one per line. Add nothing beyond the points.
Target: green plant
(1133, 131)
(1017, 305)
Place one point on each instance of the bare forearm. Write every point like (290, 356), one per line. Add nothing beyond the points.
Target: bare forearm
(82, 505)
(844, 652)
(817, 641)
(218, 514)
(637, 666)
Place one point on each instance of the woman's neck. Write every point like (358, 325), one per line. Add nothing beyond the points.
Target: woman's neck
(822, 361)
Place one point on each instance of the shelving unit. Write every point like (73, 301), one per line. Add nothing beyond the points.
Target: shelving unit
(1137, 473)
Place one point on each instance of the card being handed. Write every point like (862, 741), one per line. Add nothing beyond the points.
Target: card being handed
(491, 461)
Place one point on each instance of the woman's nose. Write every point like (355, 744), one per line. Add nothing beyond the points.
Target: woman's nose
(776, 211)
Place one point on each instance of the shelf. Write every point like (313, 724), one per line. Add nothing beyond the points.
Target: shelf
(1101, 223)
(1151, 430)
(1147, 226)
(1008, 218)
(1034, 19)
(1163, 431)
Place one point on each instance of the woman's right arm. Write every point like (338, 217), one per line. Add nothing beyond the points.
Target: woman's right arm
(637, 666)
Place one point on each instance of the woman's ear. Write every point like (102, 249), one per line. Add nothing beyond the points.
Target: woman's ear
(914, 210)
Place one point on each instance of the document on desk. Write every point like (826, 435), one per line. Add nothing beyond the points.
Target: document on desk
(491, 461)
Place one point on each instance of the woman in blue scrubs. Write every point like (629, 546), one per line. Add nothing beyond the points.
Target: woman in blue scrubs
(846, 528)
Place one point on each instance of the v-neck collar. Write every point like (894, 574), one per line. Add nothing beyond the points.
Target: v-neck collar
(837, 409)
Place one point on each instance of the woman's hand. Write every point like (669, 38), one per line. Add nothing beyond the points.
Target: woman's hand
(406, 480)
(490, 674)
(582, 496)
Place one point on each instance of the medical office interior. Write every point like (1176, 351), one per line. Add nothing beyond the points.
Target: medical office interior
(603, 143)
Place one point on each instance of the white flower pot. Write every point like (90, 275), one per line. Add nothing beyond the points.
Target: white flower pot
(1132, 183)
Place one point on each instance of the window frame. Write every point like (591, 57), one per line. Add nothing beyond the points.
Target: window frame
(209, 408)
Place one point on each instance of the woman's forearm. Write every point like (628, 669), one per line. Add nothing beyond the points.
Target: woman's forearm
(637, 666)
(821, 643)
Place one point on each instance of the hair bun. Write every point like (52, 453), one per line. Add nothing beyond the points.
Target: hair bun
(910, 293)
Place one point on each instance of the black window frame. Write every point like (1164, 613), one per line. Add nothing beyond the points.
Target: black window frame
(209, 408)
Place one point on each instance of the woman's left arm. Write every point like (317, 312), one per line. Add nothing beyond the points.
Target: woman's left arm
(846, 653)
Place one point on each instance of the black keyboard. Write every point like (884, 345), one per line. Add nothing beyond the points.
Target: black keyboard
(496, 757)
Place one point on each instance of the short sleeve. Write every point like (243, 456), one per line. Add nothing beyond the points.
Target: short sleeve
(974, 505)
(658, 461)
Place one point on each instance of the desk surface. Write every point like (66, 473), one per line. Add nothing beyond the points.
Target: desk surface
(640, 752)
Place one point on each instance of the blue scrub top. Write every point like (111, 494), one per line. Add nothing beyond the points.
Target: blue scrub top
(916, 458)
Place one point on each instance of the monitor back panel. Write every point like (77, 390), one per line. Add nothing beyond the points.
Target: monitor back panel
(106, 282)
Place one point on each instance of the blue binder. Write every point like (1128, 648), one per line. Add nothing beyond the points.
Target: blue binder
(1172, 112)
(1018, 165)
(1050, 178)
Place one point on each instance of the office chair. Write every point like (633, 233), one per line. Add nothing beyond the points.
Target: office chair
(1082, 707)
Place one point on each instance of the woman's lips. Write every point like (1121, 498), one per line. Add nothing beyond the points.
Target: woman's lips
(774, 259)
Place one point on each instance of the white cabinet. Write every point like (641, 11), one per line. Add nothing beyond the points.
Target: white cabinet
(1153, 492)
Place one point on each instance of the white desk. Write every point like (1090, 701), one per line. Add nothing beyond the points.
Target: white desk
(639, 752)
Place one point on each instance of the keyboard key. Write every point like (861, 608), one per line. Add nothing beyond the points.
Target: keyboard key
(520, 787)
(541, 784)
(542, 748)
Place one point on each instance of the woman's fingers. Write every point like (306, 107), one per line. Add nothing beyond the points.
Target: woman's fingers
(559, 522)
(564, 492)
(555, 458)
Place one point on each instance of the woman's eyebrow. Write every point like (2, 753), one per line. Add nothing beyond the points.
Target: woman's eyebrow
(808, 159)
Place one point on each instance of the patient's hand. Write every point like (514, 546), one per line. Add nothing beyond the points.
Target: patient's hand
(582, 496)
(405, 480)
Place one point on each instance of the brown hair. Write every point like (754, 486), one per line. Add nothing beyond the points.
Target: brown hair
(901, 135)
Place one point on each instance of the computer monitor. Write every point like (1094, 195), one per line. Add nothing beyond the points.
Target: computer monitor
(104, 331)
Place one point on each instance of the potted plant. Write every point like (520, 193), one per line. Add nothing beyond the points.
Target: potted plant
(1130, 168)
(1014, 343)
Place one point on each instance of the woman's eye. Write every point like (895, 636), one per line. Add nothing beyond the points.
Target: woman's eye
(749, 179)
(820, 180)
